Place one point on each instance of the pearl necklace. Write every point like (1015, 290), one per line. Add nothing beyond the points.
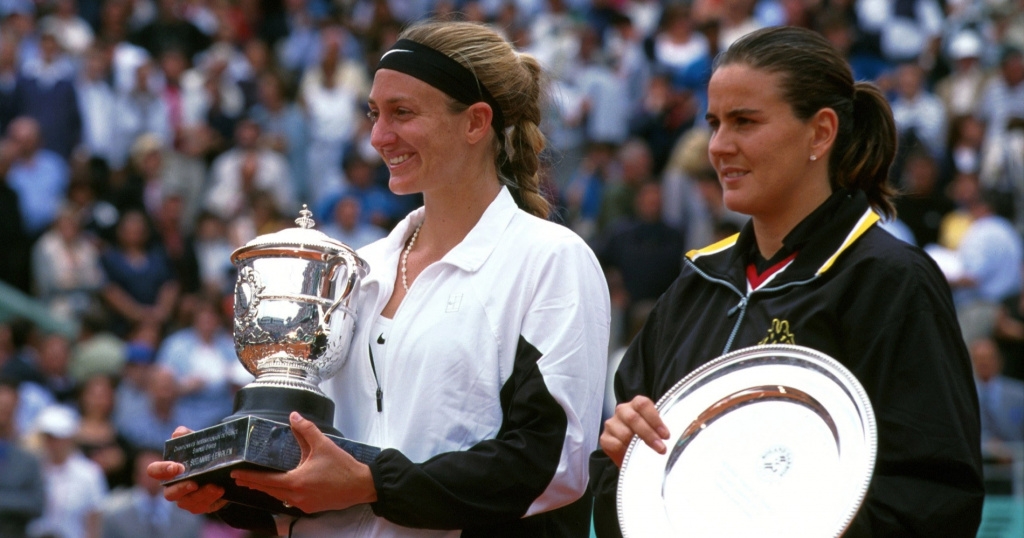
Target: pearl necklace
(405, 255)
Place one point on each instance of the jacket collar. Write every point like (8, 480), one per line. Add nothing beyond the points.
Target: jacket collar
(820, 239)
(468, 255)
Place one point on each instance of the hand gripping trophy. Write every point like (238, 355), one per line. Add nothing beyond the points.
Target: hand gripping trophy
(294, 322)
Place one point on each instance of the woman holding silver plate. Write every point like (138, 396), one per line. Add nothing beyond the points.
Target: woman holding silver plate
(480, 348)
(805, 151)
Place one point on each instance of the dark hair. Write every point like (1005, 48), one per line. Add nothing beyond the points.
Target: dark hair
(514, 80)
(814, 76)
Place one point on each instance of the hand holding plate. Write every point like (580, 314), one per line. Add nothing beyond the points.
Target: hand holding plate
(638, 417)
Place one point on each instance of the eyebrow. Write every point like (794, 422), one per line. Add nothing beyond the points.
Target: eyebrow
(734, 113)
(389, 100)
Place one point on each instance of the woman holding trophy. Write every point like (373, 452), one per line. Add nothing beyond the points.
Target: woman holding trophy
(480, 347)
(805, 151)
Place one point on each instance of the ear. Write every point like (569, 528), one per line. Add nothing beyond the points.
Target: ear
(824, 126)
(479, 124)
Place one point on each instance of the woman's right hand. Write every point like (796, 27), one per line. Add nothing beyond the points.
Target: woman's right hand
(639, 417)
(188, 495)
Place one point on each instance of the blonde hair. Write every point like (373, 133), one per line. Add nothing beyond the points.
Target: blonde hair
(514, 80)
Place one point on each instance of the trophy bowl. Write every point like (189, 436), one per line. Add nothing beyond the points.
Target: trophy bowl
(293, 325)
(293, 306)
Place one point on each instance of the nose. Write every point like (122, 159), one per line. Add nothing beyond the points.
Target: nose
(381, 134)
(719, 145)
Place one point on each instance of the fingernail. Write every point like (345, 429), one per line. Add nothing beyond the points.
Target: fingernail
(663, 432)
(659, 447)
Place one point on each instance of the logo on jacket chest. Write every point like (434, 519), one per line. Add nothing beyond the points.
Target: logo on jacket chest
(779, 333)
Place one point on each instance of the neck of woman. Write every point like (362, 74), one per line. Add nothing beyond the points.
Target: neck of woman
(450, 212)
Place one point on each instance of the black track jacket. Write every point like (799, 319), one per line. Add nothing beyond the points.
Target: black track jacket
(879, 306)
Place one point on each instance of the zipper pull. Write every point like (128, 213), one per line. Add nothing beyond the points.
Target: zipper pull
(732, 311)
(380, 400)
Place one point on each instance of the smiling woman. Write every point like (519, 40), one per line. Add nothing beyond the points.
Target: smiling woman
(805, 151)
(480, 352)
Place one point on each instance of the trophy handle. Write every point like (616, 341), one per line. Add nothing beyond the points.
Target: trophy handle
(353, 279)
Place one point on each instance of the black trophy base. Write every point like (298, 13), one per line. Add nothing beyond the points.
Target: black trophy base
(257, 436)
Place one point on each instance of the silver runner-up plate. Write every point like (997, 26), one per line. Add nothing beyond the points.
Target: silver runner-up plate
(772, 440)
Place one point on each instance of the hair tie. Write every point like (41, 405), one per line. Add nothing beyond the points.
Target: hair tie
(442, 72)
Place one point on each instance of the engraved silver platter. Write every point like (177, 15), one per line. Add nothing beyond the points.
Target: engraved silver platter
(773, 440)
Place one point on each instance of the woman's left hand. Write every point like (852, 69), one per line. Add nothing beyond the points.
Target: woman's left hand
(327, 478)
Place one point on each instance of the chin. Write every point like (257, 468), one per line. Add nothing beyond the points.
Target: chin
(735, 201)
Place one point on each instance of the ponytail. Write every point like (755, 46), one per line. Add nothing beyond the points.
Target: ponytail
(865, 151)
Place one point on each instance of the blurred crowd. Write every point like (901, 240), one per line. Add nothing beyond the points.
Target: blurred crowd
(144, 140)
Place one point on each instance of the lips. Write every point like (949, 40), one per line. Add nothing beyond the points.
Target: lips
(398, 159)
(731, 173)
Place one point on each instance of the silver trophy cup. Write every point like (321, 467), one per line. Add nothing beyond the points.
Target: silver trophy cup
(294, 322)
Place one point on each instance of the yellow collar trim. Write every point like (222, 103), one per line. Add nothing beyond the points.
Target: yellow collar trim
(713, 248)
(868, 219)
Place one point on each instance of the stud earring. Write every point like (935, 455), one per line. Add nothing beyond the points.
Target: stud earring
(814, 157)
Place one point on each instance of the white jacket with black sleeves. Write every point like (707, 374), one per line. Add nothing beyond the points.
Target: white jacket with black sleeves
(491, 387)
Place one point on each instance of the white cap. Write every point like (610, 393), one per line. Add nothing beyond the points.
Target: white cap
(58, 421)
(966, 44)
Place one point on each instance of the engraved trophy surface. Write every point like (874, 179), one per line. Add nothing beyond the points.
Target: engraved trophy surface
(293, 324)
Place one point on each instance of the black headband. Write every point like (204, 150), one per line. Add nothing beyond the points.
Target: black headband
(442, 72)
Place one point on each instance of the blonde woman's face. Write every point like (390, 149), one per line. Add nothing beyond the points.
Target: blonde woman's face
(415, 132)
(759, 148)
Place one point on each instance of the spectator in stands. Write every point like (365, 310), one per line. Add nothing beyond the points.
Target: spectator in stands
(206, 368)
(963, 148)
(97, 437)
(584, 195)
(667, 113)
(96, 351)
(680, 49)
(140, 110)
(918, 111)
(73, 33)
(170, 30)
(346, 223)
(131, 393)
(1003, 97)
(736, 19)
(173, 66)
(75, 487)
(66, 270)
(46, 92)
(923, 204)
(633, 167)
(51, 370)
(212, 248)
(141, 510)
(992, 254)
(96, 100)
(331, 92)
(285, 129)
(211, 96)
(39, 176)
(22, 489)
(1002, 169)
(643, 254)
(906, 30)
(961, 89)
(140, 288)
(238, 173)
(1001, 399)
(152, 420)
